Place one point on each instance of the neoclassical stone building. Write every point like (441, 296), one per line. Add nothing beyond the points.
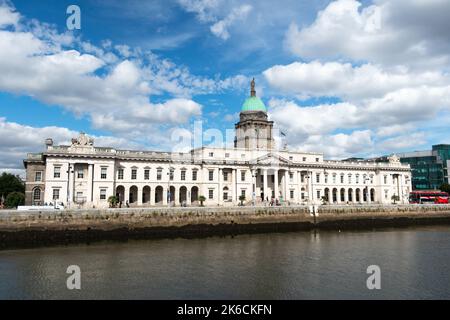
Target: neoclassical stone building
(82, 174)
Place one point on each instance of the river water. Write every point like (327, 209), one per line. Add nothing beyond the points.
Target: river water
(414, 264)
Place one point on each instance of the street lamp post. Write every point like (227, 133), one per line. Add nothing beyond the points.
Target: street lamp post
(253, 187)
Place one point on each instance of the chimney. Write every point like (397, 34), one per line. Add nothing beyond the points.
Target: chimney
(49, 143)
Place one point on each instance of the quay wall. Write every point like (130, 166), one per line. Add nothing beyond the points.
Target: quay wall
(28, 228)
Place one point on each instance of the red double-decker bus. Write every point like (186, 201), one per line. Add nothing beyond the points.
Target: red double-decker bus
(428, 197)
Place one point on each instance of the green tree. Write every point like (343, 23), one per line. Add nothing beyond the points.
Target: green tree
(201, 199)
(445, 187)
(10, 183)
(395, 198)
(14, 199)
(242, 199)
(113, 201)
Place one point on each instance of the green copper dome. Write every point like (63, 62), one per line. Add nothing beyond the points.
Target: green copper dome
(253, 104)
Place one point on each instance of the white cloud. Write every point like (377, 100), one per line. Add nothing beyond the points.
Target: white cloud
(222, 15)
(202, 8)
(115, 89)
(328, 127)
(387, 64)
(401, 32)
(8, 16)
(338, 146)
(220, 28)
(316, 79)
(31, 139)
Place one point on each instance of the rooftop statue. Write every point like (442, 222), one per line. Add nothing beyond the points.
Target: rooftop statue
(82, 140)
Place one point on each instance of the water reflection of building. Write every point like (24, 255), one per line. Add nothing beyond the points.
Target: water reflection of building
(86, 175)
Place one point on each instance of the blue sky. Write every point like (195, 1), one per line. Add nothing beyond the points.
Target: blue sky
(346, 77)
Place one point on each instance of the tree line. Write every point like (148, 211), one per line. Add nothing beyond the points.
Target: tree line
(12, 190)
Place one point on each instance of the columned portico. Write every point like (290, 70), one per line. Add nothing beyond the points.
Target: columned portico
(265, 186)
(277, 192)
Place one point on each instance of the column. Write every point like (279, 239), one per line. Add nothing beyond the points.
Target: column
(266, 188)
(299, 186)
(219, 196)
(152, 195)
(90, 186)
(253, 194)
(164, 196)
(126, 196)
(175, 195)
(310, 187)
(275, 174)
(72, 184)
(286, 182)
(233, 178)
(400, 178)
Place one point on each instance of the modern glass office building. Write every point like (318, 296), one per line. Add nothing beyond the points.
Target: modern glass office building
(429, 168)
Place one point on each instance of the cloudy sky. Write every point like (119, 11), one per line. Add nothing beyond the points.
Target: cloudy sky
(346, 77)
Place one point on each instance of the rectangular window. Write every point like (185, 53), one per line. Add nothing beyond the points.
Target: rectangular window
(57, 172)
(102, 194)
(38, 176)
(291, 158)
(291, 194)
(133, 174)
(243, 192)
(147, 174)
(225, 176)
(80, 174)
(211, 175)
(183, 175)
(304, 159)
(291, 177)
(349, 178)
(317, 159)
(357, 178)
(302, 178)
(211, 154)
(120, 174)
(55, 194)
(159, 174)
(171, 174)
(194, 175)
(318, 177)
(103, 173)
(225, 196)
(303, 196)
(342, 178)
(334, 178)
(326, 178)
(318, 194)
(243, 175)
(211, 194)
(385, 179)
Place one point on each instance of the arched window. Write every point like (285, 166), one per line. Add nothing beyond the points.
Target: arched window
(37, 194)
(225, 193)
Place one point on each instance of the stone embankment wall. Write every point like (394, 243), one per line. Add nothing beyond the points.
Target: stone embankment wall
(20, 227)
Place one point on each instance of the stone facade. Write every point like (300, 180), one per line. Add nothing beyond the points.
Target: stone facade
(35, 179)
(83, 175)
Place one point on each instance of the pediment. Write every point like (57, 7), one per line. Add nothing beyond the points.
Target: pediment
(271, 159)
